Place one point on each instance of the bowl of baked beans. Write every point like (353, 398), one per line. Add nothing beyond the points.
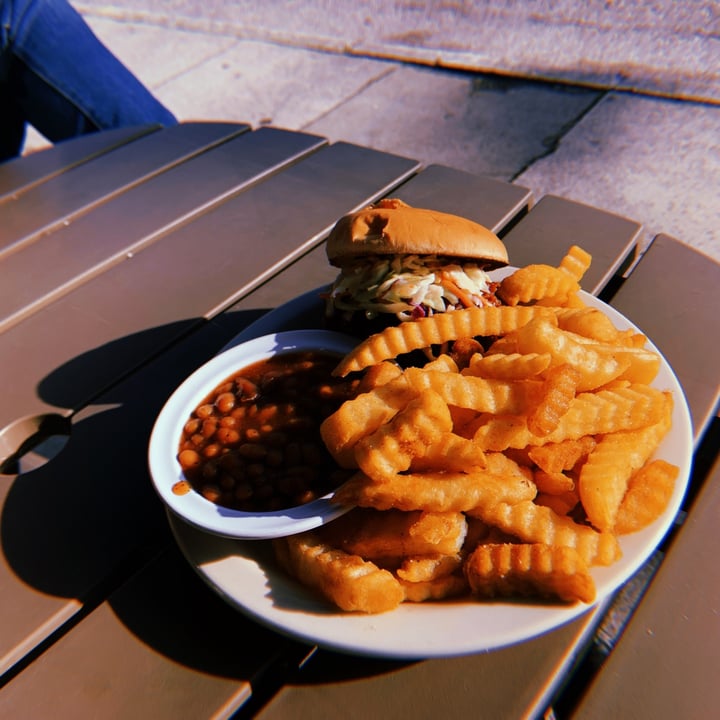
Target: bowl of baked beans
(236, 450)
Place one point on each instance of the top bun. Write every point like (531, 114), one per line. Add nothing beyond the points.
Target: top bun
(394, 228)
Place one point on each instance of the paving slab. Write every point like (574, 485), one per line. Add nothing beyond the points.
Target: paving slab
(652, 160)
(654, 46)
(261, 83)
(484, 125)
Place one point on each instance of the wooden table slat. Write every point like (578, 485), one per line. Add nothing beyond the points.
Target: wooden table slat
(16, 176)
(60, 199)
(60, 260)
(554, 224)
(162, 646)
(492, 203)
(665, 664)
(511, 682)
(673, 296)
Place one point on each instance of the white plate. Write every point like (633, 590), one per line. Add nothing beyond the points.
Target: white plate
(246, 576)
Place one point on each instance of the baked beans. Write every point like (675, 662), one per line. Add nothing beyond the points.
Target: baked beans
(254, 443)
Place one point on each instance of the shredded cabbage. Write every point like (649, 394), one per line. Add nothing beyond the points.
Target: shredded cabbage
(409, 286)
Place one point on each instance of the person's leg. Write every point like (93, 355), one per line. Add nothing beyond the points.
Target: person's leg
(12, 122)
(67, 82)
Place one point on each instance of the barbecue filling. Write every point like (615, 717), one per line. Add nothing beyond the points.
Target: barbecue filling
(409, 286)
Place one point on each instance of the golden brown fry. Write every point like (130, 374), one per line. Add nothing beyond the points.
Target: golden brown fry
(435, 330)
(448, 586)
(562, 504)
(533, 523)
(451, 453)
(379, 374)
(555, 483)
(391, 448)
(424, 568)
(642, 366)
(535, 282)
(595, 369)
(647, 497)
(556, 457)
(375, 535)
(605, 475)
(512, 366)
(350, 582)
(435, 492)
(529, 570)
(597, 413)
(505, 345)
(442, 363)
(480, 394)
(361, 416)
(561, 382)
(588, 322)
(576, 262)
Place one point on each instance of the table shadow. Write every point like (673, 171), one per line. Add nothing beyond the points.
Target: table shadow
(88, 525)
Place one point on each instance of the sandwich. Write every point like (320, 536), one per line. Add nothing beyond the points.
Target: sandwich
(399, 263)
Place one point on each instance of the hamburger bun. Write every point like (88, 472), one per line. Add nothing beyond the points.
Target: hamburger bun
(394, 228)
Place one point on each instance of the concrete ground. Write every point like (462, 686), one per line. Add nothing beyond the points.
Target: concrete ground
(615, 103)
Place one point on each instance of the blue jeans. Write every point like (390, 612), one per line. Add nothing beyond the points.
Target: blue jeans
(56, 75)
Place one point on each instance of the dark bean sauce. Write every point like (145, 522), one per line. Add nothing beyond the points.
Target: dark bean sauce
(254, 442)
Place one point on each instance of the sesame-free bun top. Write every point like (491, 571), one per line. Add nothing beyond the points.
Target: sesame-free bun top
(393, 228)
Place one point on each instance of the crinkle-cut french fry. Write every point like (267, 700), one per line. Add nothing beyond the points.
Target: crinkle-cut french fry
(504, 345)
(532, 570)
(555, 483)
(361, 416)
(480, 394)
(576, 262)
(605, 475)
(597, 413)
(375, 535)
(562, 504)
(435, 492)
(570, 301)
(378, 375)
(441, 588)
(626, 339)
(498, 463)
(423, 568)
(535, 282)
(595, 369)
(588, 322)
(391, 448)
(642, 365)
(559, 388)
(435, 330)
(648, 494)
(350, 582)
(537, 524)
(565, 455)
(451, 453)
(442, 363)
(513, 366)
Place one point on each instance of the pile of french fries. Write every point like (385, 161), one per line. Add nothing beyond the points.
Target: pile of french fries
(507, 466)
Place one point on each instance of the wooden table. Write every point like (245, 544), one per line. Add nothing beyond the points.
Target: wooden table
(127, 259)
